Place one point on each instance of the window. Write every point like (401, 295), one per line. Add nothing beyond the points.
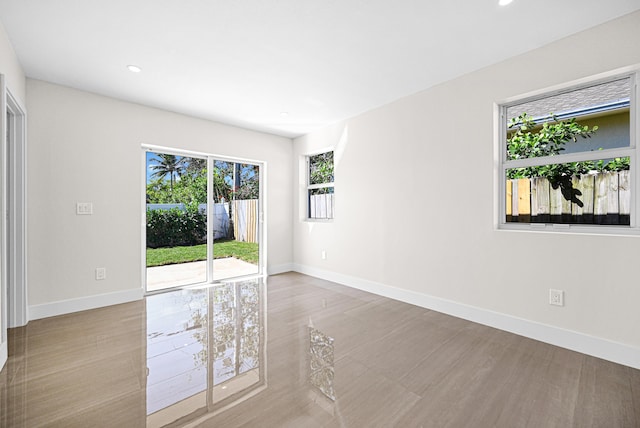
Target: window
(320, 195)
(568, 158)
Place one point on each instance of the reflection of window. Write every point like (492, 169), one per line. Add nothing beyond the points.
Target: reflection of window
(206, 352)
(567, 156)
(236, 331)
(320, 188)
(321, 363)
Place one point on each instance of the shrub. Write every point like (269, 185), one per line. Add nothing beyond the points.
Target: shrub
(175, 227)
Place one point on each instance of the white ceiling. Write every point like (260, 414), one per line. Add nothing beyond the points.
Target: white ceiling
(244, 62)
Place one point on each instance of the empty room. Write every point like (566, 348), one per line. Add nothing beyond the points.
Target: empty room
(319, 214)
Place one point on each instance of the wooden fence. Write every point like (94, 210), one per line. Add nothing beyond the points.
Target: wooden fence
(321, 206)
(600, 198)
(245, 220)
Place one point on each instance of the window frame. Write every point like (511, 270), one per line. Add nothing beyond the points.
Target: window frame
(309, 187)
(632, 151)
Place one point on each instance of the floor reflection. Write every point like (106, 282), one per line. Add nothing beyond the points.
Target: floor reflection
(205, 350)
(321, 365)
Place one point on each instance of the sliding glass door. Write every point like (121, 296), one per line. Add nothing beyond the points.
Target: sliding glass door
(202, 219)
(236, 225)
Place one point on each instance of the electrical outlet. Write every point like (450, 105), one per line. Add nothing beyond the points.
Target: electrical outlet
(101, 273)
(556, 297)
(323, 254)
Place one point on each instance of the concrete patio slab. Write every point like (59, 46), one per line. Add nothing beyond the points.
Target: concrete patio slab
(168, 276)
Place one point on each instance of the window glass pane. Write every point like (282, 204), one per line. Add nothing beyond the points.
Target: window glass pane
(594, 192)
(321, 203)
(586, 119)
(321, 168)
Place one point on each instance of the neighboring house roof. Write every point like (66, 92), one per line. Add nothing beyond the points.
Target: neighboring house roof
(606, 96)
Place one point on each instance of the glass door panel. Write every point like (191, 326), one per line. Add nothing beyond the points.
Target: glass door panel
(176, 226)
(237, 227)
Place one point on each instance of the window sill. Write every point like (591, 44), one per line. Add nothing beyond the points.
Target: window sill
(570, 229)
(318, 220)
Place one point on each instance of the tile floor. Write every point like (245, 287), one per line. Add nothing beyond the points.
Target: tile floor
(298, 352)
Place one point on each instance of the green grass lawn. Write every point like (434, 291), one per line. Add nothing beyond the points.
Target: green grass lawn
(166, 256)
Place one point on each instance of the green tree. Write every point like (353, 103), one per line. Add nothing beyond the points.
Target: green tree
(167, 165)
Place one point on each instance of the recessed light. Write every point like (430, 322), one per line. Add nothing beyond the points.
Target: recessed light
(134, 68)
(504, 2)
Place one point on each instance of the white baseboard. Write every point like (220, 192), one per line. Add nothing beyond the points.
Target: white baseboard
(4, 353)
(275, 270)
(62, 307)
(575, 341)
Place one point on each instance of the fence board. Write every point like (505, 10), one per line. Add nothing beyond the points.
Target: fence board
(509, 200)
(245, 220)
(555, 204)
(583, 212)
(624, 197)
(601, 186)
(613, 207)
(524, 200)
(540, 200)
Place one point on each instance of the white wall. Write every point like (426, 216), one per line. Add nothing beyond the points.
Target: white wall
(11, 68)
(85, 147)
(428, 159)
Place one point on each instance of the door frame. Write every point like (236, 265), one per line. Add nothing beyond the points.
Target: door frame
(210, 157)
(13, 209)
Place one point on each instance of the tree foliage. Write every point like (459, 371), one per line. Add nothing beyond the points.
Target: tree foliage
(165, 164)
(531, 140)
(189, 185)
(321, 168)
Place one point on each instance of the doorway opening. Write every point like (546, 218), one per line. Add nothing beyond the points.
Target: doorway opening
(202, 219)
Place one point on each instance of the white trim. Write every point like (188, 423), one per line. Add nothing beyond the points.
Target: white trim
(210, 216)
(262, 219)
(195, 154)
(143, 219)
(4, 242)
(601, 348)
(62, 307)
(278, 269)
(17, 211)
(4, 353)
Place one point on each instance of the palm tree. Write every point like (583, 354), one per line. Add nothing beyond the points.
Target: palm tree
(170, 165)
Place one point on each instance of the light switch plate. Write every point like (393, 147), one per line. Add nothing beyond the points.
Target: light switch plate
(84, 208)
